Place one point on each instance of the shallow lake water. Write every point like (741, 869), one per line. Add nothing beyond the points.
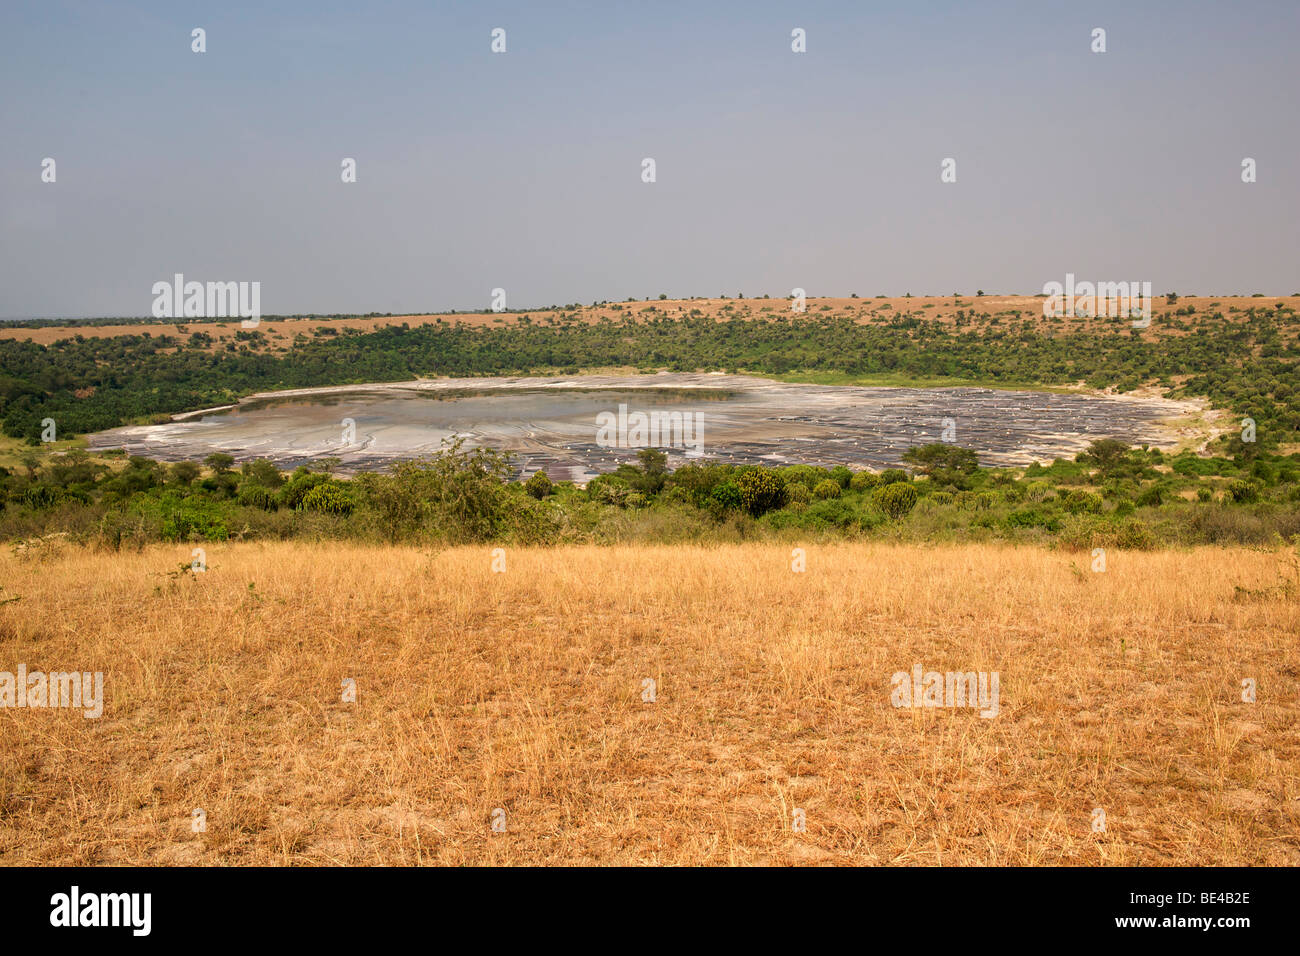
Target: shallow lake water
(573, 428)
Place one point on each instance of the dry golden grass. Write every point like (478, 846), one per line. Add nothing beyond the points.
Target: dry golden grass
(522, 691)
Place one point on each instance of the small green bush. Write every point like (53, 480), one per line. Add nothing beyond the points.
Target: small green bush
(1078, 502)
(257, 496)
(863, 481)
(895, 499)
(1150, 496)
(827, 488)
(1241, 492)
(797, 493)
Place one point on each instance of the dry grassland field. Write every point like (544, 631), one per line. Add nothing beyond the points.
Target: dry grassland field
(524, 691)
(282, 329)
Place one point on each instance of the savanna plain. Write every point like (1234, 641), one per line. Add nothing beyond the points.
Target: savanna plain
(518, 696)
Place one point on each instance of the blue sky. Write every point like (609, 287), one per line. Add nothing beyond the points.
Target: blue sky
(522, 170)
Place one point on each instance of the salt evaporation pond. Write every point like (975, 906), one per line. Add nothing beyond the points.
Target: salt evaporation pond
(554, 423)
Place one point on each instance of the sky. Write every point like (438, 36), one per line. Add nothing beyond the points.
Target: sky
(522, 170)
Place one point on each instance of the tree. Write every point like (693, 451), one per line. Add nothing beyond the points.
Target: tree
(262, 471)
(943, 463)
(653, 475)
(219, 462)
(184, 472)
(539, 485)
(1107, 454)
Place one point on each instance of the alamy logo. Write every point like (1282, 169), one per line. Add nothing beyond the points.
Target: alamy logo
(1100, 299)
(56, 689)
(953, 689)
(651, 430)
(103, 909)
(179, 299)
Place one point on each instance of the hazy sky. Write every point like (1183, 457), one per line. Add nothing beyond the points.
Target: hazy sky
(522, 170)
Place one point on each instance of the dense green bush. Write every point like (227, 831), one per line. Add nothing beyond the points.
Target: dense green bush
(864, 481)
(257, 496)
(1241, 491)
(797, 493)
(761, 490)
(1151, 496)
(895, 499)
(827, 488)
(296, 488)
(607, 489)
(727, 497)
(1076, 502)
(329, 497)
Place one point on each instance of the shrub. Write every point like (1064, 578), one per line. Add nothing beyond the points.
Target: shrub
(761, 490)
(330, 498)
(698, 480)
(805, 474)
(842, 475)
(452, 495)
(895, 499)
(256, 496)
(1150, 496)
(827, 488)
(892, 475)
(1032, 518)
(836, 513)
(1081, 502)
(797, 493)
(1204, 494)
(607, 489)
(185, 523)
(942, 497)
(41, 496)
(539, 485)
(1090, 531)
(1014, 491)
(1038, 492)
(296, 488)
(1241, 492)
(864, 481)
(726, 497)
